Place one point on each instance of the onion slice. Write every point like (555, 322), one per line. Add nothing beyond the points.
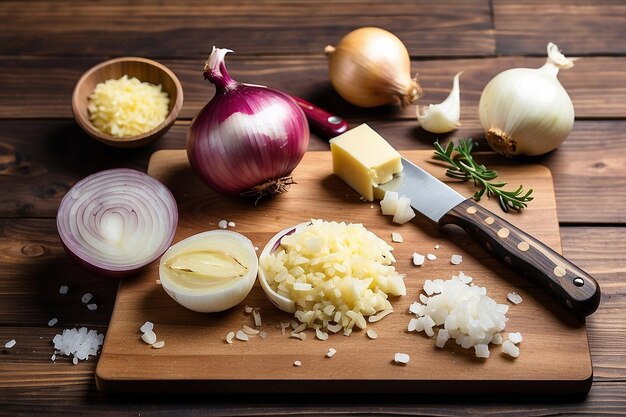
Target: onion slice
(117, 221)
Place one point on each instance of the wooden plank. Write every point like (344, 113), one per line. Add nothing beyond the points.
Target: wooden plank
(446, 28)
(41, 159)
(579, 27)
(203, 361)
(597, 85)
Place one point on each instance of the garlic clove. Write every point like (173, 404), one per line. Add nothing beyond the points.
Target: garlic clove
(443, 117)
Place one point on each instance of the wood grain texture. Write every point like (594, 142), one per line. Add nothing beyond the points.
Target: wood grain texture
(597, 85)
(143, 28)
(40, 160)
(196, 357)
(579, 27)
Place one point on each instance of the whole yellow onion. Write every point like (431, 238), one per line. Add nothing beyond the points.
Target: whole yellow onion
(371, 67)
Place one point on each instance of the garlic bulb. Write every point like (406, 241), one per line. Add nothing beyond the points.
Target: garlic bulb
(527, 111)
(371, 67)
(443, 117)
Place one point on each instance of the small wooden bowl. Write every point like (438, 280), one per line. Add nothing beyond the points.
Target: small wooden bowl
(144, 70)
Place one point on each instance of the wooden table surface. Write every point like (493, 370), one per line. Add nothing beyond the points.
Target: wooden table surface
(46, 45)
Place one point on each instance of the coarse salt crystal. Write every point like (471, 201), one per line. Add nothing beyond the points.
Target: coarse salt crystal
(456, 259)
(431, 256)
(510, 349)
(396, 237)
(53, 321)
(482, 351)
(231, 224)
(222, 224)
(53, 357)
(257, 318)
(64, 289)
(418, 260)
(371, 333)
(515, 337)
(436, 247)
(75, 360)
(146, 327)
(401, 358)
(10, 344)
(263, 335)
(158, 345)
(242, 336)
(92, 306)
(247, 309)
(86, 297)
(81, 343)
(331, 352)
(149, 337)
(297, 363)
(513, 297)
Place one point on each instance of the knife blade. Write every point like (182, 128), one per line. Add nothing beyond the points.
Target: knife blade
(572, 287)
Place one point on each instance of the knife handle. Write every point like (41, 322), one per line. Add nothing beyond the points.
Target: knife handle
(325, 124)
(570, 285)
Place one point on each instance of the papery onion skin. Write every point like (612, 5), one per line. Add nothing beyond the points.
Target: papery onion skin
(247, 136)
(133, 205)
(371, 67)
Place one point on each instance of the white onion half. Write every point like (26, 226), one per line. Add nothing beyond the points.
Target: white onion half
(204, 292)
(117, 221)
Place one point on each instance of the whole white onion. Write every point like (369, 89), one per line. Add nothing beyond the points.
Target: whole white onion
(248, 138)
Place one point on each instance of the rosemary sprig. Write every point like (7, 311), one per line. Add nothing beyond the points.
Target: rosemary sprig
(464, 168)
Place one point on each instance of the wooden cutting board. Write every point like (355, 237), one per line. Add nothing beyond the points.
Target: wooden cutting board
(554, 355)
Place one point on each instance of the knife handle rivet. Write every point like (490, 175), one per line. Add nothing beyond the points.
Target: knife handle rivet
(503, 233)
(489, 220)
(559, 271)
(471, 210)
(523, 246)
(579, 282)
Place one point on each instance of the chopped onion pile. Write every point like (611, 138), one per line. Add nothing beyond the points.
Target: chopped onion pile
(467, 315)
(335, 273)
(117, 221)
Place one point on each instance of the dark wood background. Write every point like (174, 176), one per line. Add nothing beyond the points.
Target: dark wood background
(46, 45)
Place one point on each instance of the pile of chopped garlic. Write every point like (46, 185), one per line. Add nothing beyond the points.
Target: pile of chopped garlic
(336, 273)
(467, 315)
(127, 107)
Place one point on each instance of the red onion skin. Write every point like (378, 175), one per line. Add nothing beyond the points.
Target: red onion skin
(118, 272)
(245, 136)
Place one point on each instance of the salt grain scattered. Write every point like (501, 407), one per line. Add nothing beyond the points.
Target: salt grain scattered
(247, 309)
(146, 327)
(401, 358)
(431, 257)
(482, 351)
(86, 297)
(510, 349)
(396, 237)
(297, 363)
(92, 306)
(149, 337)
(371, 333)
(81, 343)
(436, 247)
(242, 336)
(53, 357)
(331, 352)
(263, 335)
(231, 224)
(158, 345)
(418, 260)
(53, 321)
(229, 337)
(10, 344)
(515, 337)
(514, 298)
(64, 289)
(75, 360)
(456, 259)
(222, 224)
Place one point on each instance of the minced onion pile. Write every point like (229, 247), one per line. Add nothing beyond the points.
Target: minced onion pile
(117, 221)
(466, 313)
(336, 273)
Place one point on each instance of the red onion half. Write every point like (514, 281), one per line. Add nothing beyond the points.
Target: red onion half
(248, 138)
(117, 221)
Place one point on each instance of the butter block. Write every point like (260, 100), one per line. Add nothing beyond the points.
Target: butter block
(363, 159)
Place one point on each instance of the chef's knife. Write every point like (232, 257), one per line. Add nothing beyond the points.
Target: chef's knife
(567, 283)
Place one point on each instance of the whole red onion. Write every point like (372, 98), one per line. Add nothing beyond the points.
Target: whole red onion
(248, 139)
